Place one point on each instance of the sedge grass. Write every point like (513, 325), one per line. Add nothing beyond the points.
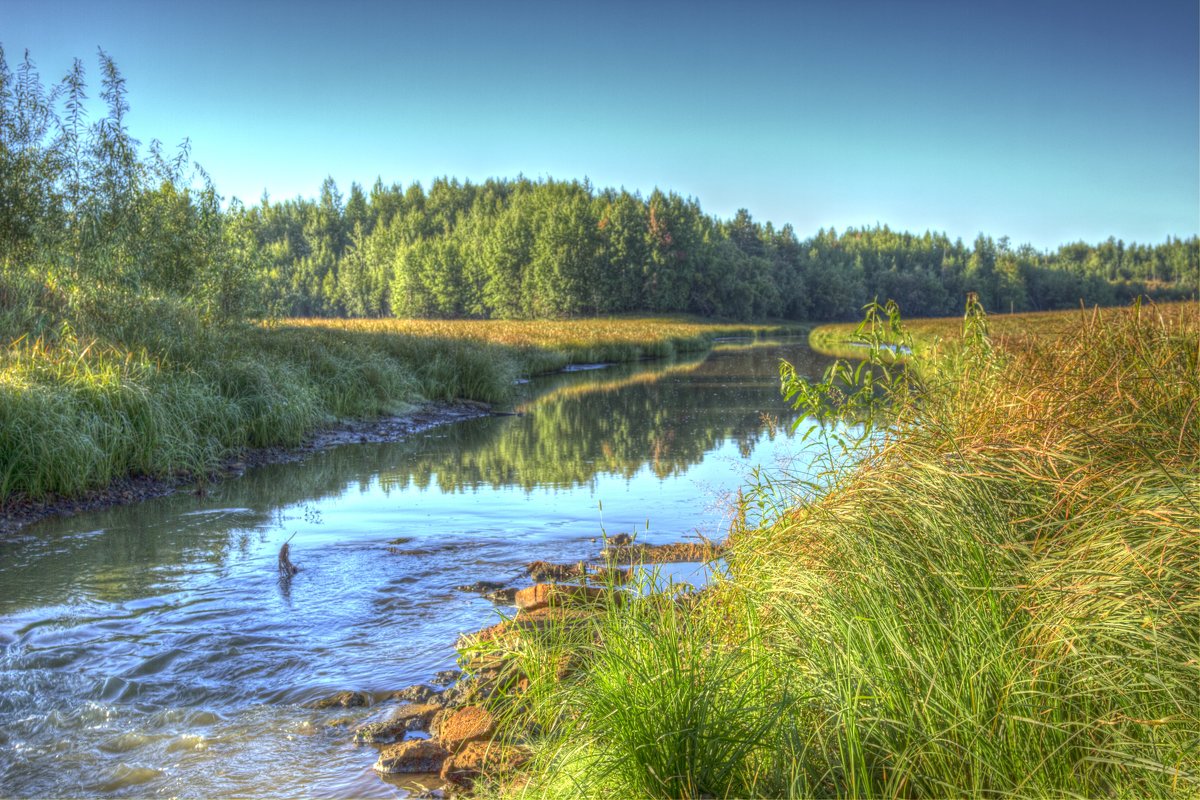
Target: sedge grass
(999, 600)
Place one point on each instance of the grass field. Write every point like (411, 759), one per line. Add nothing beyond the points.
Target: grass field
(1000, 599)
(836, 339)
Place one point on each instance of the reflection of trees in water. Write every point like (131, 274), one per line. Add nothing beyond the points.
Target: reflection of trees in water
(577, 426)
(665, 420)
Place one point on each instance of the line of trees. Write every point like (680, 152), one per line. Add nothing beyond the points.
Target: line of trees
(522, 248)
(82, 207)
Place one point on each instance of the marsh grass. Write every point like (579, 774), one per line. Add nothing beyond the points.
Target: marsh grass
(1001, 599)
(98, 386)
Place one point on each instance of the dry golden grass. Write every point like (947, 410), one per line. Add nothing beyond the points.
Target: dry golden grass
(1048, 326)
(548, 334)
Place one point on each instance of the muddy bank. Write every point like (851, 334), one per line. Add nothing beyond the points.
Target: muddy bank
(16, 513)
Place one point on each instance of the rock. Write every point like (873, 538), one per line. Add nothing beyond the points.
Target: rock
(545, 571)
(414, 716)
(435, 724)
(380, 732)
(417, 755)
(456, 692)
(532, 620)
(546, 595)
(446, 677)
(415, 694)
(481, 587)
(616, 576)
(344, 700)
(620, 540)
(468, 724)
(429, 794)
(477, 758)
(668, 553)
(502, 596)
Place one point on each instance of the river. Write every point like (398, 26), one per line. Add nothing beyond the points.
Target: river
(151, 650)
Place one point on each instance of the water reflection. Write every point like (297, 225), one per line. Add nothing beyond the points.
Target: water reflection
(152, 648)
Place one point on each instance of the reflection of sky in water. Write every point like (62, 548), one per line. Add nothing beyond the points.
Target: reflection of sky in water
(150, 649)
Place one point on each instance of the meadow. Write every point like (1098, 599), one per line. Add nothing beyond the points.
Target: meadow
(998, 599)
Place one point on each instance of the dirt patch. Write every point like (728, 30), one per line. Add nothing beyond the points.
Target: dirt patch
(16, 513)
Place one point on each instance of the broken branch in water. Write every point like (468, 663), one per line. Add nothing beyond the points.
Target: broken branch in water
(286, 568)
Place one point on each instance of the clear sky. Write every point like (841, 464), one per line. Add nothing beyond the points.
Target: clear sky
(1044, 121)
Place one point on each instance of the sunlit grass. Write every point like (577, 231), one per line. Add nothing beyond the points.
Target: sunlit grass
(1000, 600)
(545, 345)
(835, 339)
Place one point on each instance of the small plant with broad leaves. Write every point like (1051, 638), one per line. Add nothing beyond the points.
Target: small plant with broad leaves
(862, 396)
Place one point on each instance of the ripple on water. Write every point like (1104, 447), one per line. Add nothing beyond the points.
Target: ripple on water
(125, 775)
(126, 742)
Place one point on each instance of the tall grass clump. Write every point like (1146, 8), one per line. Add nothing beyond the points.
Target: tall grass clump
(1000, 599)
(646, 699)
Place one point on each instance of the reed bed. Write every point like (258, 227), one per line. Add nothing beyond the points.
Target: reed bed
(1001, 599)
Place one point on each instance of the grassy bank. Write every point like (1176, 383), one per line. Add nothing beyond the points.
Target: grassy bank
(96, 389)
(838, 339)
(1000, 599)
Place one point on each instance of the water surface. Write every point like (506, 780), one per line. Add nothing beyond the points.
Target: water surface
(151, 650)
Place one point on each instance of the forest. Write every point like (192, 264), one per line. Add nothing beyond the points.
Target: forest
(87, 209)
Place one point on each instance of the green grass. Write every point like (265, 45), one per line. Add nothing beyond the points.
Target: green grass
(96, 387)
(1001, 599)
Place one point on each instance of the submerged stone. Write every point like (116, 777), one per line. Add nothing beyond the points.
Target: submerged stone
(344, 700)
(380, 732)
(546, 571)
(481, 587)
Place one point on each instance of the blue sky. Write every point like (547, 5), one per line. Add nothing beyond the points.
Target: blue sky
(1044, 121)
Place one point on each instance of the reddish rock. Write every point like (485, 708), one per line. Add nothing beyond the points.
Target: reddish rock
(417, 755)
(477, 758)
(545, 595)
(468, 724)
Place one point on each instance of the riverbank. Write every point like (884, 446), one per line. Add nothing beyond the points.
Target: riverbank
(999, 598)
(17, 514)
(105, 408)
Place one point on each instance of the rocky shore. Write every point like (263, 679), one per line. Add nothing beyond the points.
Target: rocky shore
(447, 739)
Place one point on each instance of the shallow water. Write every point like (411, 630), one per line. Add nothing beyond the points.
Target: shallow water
(152, 650)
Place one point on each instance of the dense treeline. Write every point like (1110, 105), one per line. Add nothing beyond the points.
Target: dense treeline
(83, 209)
(522, 248)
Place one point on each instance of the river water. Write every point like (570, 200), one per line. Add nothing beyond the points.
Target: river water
(151, 650)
